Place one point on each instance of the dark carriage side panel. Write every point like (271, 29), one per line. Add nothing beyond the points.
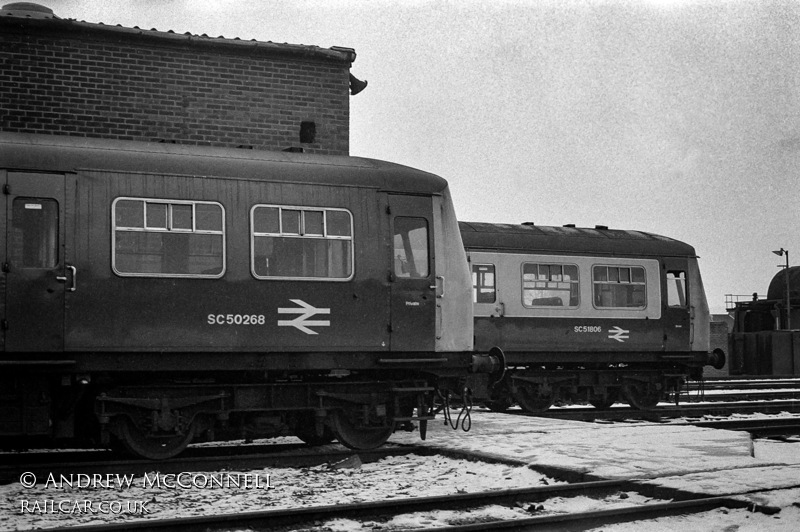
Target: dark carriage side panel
(216, 294)
(235, 312)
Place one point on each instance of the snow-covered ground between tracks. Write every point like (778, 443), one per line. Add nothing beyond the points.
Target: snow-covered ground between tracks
(683, 457)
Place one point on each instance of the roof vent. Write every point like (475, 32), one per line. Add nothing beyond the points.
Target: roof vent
(570, 225)
(528, 223)
(27, 9)
(601, 227)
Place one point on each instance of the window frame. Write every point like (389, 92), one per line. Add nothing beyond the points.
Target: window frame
(429, 267)
(156, 229)
(476, 285)
(51, 247)
(679, 286)
(630, 282)
(301, 235)
(572, 282)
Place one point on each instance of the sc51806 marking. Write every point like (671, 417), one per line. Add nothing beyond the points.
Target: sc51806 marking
(236, 319)
(588, 329)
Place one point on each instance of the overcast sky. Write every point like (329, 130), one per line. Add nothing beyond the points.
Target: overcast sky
(675, 117)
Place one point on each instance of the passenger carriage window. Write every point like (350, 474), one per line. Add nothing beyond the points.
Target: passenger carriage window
(483, 283)
(301, 243)
(676, 289)
(33, 241)
(619, 287)
(410, 247)
(550, 285)
(168, 238)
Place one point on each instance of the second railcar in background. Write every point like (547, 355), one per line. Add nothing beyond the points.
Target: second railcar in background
(157, 294)
(587, 314)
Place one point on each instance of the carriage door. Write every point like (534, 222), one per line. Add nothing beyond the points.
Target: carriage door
(677, 311)
(412, 279)
(34, 269)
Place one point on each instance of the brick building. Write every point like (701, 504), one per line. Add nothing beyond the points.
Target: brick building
(67, 77)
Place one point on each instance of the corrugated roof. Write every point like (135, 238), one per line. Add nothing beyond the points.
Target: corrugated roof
(38, 16)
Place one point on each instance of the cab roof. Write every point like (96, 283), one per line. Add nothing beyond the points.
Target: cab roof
(54, 153)
(568, 240)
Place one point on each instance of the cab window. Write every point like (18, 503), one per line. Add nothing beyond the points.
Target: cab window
(410, 247)
(676, 289)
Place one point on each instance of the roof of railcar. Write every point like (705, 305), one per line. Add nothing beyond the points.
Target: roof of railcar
(55, 153)
(528, 238)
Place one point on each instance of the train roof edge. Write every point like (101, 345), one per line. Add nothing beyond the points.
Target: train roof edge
(568, 240)
(69, 154)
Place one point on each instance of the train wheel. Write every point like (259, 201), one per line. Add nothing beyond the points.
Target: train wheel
(306, 430)
(356, 435)
(139, 443)
(531, 400)
(605, 402)
(501, 405)
(644, 396)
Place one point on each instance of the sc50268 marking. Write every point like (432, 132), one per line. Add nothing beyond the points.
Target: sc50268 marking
(236, 319)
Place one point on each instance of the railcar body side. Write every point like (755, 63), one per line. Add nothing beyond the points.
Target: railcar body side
(163, 284)
(587, 313)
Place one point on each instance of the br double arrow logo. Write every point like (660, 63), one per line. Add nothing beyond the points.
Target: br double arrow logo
(618, 334)
(303, 321)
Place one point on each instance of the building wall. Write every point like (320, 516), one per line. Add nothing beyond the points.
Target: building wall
(75, 78)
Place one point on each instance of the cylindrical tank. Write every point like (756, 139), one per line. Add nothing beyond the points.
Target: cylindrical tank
(777, 292)
(777, 287)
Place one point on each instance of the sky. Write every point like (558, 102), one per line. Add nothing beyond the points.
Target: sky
(675, 117)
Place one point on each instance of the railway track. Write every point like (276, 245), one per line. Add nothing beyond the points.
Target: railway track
(665, 410)
(533, 511)
(742, 383)
(204, 459)
(742, 390)
(524, 499)
(696, 414)
(217, 458)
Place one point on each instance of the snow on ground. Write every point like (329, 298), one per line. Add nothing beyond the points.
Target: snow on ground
(393, 477)
(719, 520)
(687, 458)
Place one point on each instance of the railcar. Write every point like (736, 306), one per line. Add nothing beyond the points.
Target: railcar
(765, 339)
(157, 294)
(586, 314)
